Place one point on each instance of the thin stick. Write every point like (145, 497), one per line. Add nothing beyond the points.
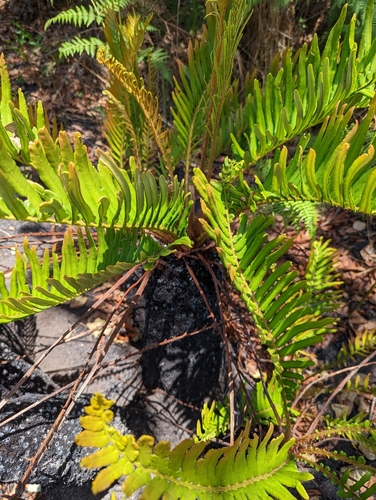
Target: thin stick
(72, 398)
(26, 376)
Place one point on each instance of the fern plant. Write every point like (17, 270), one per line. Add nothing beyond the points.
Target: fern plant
(130, 209)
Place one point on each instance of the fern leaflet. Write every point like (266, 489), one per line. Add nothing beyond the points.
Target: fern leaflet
(80, 45)
(322, 277)
(360, 345)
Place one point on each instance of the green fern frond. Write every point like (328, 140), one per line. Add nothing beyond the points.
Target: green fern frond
(80, 45)
(125, 122)
(191, 100)
(85, 16)
(357, 429)
(347, 487)
(104, 5)
(350, 488)
(295, 213)
(125, 38)
(75, 192)
(322, 277)
(78, 16)
(307, 88)
(248, 469)
(334, 170)
(278, 304)
(19, 123)
(307, 213)
(361, 344)
(157, 58)
(82, 265)
(205, 88)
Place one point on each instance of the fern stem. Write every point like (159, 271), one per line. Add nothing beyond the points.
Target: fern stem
(333, 478)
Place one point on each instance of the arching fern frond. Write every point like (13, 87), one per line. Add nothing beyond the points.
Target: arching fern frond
(78, 16)
(83, 264)
(205, 89)
(362, 488)
(75, 192)
(80, 45)
(308, 87)
(86, 16)
(191, 99)
(357, 429)
(147, 102)
(295, 213)
(81, 15)
(278, 304)
(249, 469)
(124, 117)
(334, 170)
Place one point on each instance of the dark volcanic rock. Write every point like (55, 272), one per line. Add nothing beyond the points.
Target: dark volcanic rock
(12, 371)
(192, 368)
(59, 468)
(21, 438)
